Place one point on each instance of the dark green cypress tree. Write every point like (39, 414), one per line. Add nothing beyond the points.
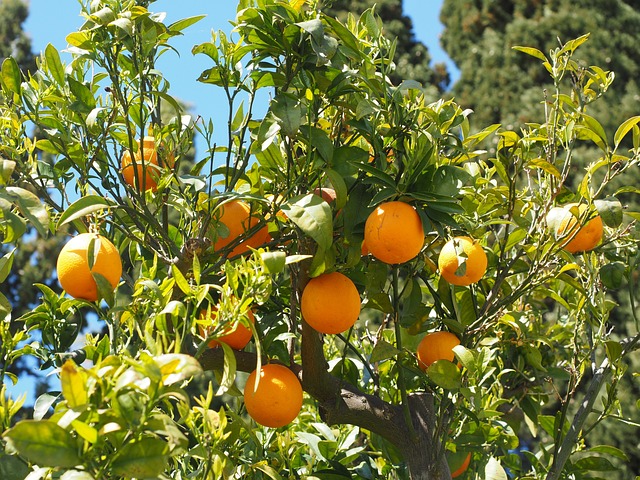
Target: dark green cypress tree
(505, 86)
(13, 40)
(412, 56)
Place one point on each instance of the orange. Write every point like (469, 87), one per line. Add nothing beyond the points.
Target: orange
(327, 194)
(580, 239)
(147, 155)
(236, 335)
(235, 215)
(458, 463)
(330, 303)
(462, 261)
(277, 400)
(436, 346)
(74, 273)
(393, 232)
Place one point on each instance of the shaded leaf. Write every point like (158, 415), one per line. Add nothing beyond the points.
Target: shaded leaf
(83, 207)
(146, 458)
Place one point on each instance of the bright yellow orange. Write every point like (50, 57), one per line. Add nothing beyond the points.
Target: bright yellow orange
(393, 232)
(277, 400)
(462, 261)
(147, 177)
(330, 303)
(584, 238)
(73, 270)
(436, 346)
(235, 215)
(458, 463)
(237, 336)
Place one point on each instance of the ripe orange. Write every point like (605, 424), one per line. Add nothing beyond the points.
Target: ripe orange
(584, 238)
(393, 232)
(327, 194)
(330, 303)
(278, 398)
(436, 346)
(462, 261)
(73, 263)
(235, 215)
(458, 463)
(236, 335)
(147, 177)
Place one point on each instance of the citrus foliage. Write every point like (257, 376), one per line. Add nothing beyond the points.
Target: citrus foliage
(535, 347)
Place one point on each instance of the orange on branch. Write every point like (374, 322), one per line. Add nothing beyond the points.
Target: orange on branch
(393, 232)
(579, 238)
(145, 165)
(75, 268)
(330, 303)
(436, 346)
(237, 335)
(277, 400)
(462, 261)
(458, 462)
(236, 217)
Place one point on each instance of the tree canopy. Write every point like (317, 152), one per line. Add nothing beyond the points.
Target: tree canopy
(351, 286)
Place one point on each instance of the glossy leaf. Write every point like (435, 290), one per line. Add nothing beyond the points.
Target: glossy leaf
(313, 216)
(82, 207)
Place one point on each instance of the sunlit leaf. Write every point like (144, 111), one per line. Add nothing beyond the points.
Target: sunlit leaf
(44, 443)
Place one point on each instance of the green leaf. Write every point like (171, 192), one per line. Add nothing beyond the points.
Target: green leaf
(12, 467)
(339, 185)
(610, 209)
(7, 167)
(54, 64)
(383, 351)
(320, 140)
(73, 382)
(228, 369)
(44, 443)
(624, 128)
(313, 216)
(11, 75)
(5, 308)
(83, 95)
(6, 262)
(185, 23)
(269, 471)
(289, 112)
(445, 374)
(593, 463)
(534, 52)
(146, 458)
(614, 350)
(180, 279)
(31, 208)
(83, 207)
(493, 470)
(313, 27)
(609, 450)
(379, 301)
(274, 262)
(612, 275)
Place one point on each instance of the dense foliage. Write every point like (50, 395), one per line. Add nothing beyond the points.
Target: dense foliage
(150, 397)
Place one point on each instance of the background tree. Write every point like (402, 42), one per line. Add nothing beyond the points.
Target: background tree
(412, 56)
(13, 40)
(502, 85)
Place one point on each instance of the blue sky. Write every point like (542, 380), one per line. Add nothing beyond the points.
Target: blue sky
(50, 21)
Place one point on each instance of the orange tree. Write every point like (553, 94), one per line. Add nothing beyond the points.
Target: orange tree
(535, 364)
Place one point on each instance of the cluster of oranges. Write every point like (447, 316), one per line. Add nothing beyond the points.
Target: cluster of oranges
(330, 303)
